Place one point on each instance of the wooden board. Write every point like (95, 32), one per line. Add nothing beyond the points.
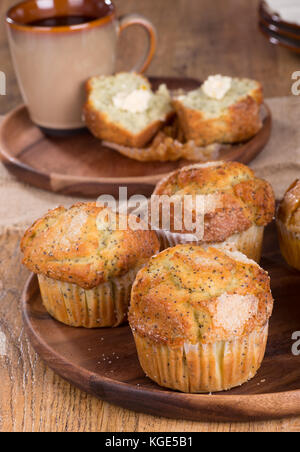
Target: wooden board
(104, 363)
(81, 166)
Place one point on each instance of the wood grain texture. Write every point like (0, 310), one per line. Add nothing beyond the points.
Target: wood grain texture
(104, 361)
(33, 398)
(80, 165)
(196, 38)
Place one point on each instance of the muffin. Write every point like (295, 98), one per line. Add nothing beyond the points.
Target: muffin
(288, 225)
(221, 110)
(123, 109)
(85, 265)
(200, 318)
(236, 206)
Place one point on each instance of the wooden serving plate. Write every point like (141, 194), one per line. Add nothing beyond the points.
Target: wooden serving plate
(81, 166)
(104, 363)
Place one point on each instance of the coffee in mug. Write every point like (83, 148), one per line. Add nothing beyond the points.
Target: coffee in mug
(56, 45)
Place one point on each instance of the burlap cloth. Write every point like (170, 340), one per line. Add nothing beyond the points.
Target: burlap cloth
(279, 163)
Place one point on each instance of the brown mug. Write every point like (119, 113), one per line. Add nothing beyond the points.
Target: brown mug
(56, 45)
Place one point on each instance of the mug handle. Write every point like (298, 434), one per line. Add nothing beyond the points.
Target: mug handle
(136, 19)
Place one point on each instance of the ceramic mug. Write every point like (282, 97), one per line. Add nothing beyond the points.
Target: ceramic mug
(56, 45)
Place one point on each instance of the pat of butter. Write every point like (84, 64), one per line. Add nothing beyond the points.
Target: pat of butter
(135, 102)
(216, 86)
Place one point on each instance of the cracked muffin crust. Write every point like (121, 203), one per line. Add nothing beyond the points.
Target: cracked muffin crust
(243, 201)
(66, 244)
(85, 267)
(183, 292)
(200, 317)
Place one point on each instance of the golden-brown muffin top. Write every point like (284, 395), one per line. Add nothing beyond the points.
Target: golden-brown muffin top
(241, 198)
(188, 294)
(77, 246)
(289, 208)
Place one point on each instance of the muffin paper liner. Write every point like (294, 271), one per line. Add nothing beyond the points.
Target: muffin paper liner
(105, 305)
(203, 367)
(248, 242)
(289, 245)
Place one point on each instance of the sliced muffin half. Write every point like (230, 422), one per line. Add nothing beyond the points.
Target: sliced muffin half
(222, 110)
(123, 109)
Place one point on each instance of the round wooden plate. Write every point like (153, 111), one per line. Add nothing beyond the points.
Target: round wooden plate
(81, 166)
(103, 362)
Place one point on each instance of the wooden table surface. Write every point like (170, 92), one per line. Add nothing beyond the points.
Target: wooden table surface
(196, 38)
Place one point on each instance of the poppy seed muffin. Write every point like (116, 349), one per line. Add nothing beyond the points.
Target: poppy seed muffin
(123, 109)
(206, 117)
(236, 205)
(200, 318)
(288, 225)
(85, 266)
